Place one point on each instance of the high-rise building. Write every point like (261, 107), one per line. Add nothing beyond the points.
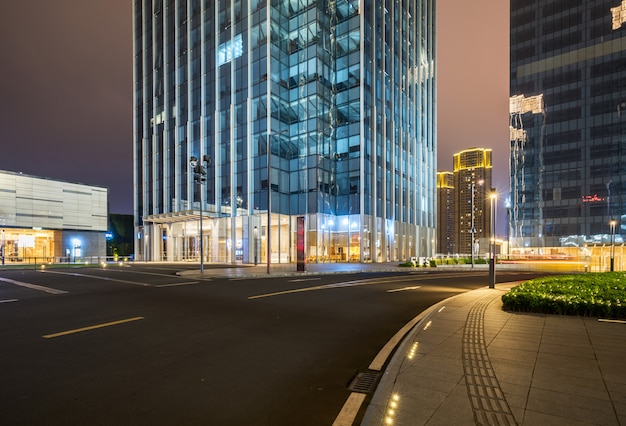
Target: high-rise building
(446, 195)
(320, 112)
(472, 181)
(568, 141)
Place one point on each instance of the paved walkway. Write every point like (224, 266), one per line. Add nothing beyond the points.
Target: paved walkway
(467, 362)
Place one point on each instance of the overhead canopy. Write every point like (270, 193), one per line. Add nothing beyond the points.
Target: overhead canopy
(174, 217)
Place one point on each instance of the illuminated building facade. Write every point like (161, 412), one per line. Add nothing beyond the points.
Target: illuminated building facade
(568, 141)
(472, 180)
(446, 195)
(46, 220)
(336, 99)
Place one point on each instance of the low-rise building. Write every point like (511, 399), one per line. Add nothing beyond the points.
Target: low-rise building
(51, 220)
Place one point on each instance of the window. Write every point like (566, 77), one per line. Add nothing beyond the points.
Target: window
(229, 50)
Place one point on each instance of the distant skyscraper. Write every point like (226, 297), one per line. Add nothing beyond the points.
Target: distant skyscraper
(568, 141)
(472, 181)
(446, 194)
(343, 94)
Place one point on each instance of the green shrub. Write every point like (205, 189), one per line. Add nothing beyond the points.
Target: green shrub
(597, 295)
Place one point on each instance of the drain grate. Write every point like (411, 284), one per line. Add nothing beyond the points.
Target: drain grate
(364, 382)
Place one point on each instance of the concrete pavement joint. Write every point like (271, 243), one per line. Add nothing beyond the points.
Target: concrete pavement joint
(488, 402)
(604, 381)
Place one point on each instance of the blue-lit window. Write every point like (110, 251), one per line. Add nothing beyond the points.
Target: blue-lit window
(229, 50)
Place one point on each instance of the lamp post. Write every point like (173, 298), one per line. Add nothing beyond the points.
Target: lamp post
(472, 229)
(2, 248)
(473, 213)
(613, 222)
(199, 177)
(493, 197)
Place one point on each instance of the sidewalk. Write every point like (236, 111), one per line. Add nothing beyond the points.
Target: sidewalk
(468, 362)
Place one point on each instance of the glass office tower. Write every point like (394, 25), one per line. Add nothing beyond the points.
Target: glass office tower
(320, 113)
(568, 142)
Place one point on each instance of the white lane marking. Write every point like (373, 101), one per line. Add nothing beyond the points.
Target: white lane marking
(8, 300)
(370, 281)
(395, 290)
(315, 288)
(33, 286)
(76, 274)
(177, 284)
(304, 279)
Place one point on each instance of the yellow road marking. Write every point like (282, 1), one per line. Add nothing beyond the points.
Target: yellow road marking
(92, 327)
(395, 290)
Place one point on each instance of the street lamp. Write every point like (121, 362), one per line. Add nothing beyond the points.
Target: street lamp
(473, 227)
(613, 222)
(199, 177)
(493, 197)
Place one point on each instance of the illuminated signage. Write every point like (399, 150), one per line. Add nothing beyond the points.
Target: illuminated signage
(592, 198)
(300, 254)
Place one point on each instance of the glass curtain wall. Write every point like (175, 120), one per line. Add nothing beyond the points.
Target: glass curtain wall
(567, 125)
(294, 108)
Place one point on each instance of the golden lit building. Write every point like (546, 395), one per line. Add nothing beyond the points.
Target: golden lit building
(446, 194)
(473, 183)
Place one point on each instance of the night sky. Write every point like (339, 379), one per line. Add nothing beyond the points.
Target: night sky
(66, 89)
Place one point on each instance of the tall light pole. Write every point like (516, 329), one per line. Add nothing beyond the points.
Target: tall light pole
(493, 197)
(199, 177)
(473, 229)
(613, 222)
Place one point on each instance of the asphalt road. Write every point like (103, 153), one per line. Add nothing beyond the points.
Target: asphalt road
(139, 345)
